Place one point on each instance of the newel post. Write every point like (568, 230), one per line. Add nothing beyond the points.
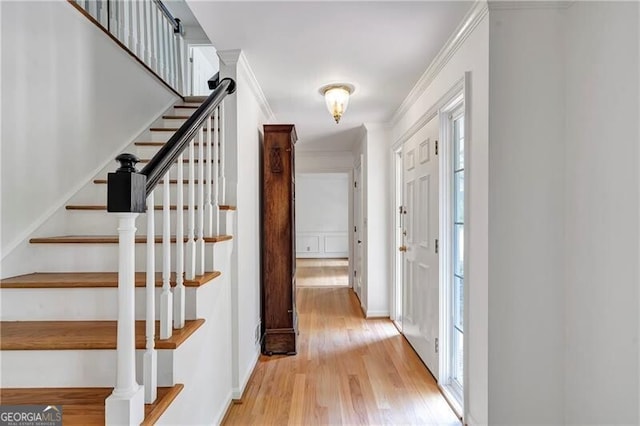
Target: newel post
(126, 197)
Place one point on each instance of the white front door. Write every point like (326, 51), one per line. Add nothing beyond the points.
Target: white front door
(357, 231)
(420, 308)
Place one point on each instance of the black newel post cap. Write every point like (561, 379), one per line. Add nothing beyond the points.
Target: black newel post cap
(127, 163)
(126, 188)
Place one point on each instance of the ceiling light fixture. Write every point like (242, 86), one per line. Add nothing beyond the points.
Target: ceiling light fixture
(336, 96)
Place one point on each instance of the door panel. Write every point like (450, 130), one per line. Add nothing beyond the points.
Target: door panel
(420, 316)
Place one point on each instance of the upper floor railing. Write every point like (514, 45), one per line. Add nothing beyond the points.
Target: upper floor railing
(147, 30)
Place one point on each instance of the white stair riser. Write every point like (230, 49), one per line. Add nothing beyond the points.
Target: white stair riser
(78, 304)
(183, 111)
(90, 222)
(175, 122)
(102, 257)
(73, 368)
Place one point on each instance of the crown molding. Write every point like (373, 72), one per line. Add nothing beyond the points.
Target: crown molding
(235, 57)
(528, 4)
(475, 15)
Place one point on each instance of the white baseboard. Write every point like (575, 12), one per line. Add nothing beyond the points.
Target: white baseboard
(469, 420)
(225, 408)
(237, 392)
(377, 314)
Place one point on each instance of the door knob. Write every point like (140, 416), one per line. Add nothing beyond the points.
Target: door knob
(359, 242)
(402, 248)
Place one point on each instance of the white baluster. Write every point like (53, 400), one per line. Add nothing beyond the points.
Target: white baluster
(148, 38)
(191, 241)
(113, 21)
(180, 63)
(99, 11)
(170, 39)
(166, 299)
(150, 362)
(208, 207)
(131, 41)
(214, 182)
(222, 180)
(139, 30)
(170, 61)
(173, 41)
(178, 291)
(155, 37)
(200, 226)
(92, 8)
(163, 45)
(126, 404)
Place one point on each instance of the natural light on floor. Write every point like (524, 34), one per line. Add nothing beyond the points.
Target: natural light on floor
(322, 272)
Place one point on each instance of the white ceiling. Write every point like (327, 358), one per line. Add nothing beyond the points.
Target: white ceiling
(294, 47)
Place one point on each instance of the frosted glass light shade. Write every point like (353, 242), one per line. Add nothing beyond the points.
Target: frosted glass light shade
(336, 96)
(337, 99)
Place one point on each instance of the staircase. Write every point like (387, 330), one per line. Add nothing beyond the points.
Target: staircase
(61, 327)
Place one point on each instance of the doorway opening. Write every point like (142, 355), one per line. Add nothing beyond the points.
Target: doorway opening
(203, 64)
(430, 260)
(322, 229)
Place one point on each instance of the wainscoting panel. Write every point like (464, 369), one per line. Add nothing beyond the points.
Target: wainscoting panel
(322, 245)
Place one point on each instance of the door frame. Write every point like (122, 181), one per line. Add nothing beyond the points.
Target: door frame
(398, 221)
(460, 89)
(357, 222)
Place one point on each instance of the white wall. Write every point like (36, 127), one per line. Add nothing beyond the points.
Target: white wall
(601, 213)
(71, 98)
(564, 212)
(322, 214)
(245, 112)
(526, 243)
(470, 55)
(323, 161)
(376, 276)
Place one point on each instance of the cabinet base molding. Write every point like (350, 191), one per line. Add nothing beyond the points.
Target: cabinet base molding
(279, 341)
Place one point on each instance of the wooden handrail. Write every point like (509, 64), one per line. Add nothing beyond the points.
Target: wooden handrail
(169, 153)
(127, 189)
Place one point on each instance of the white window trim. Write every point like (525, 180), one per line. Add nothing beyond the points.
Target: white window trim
(451, 109)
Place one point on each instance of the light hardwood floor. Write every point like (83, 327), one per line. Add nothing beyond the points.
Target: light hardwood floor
(348, 370)
(322, 272)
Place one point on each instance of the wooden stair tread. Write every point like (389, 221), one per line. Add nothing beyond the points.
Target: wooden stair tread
(152, 412)
(157, 207)
(185, 107)
(175, 117)
(85, 406)
(111, 239)
(171, 181)
(92, 280)
(162, 143)
(81, 335)
(195, 98)
(104, 207)
(185, 160)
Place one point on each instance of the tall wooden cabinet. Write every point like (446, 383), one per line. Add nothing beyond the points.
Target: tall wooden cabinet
(279, 316)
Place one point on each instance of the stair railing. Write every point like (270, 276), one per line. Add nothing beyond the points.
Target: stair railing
(147, 30)
(131, 192)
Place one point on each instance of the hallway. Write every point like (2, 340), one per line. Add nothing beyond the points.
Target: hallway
(347, 371)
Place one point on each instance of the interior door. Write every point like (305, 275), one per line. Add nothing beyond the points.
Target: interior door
(357, 231)
(420, 310)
